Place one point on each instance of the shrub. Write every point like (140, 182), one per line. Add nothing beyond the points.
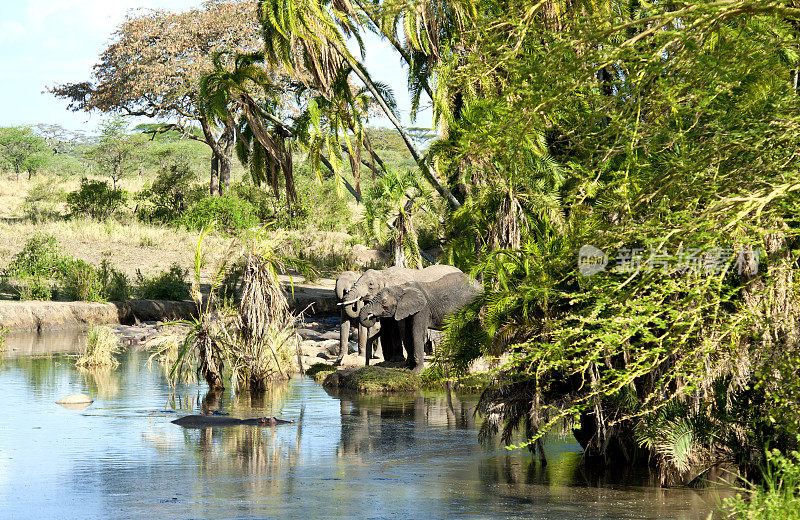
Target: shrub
(41, 202)
(41, 265)
(172, 193)
(82, 282)
(321, 206)
(229, 212)
(40, 257)
(169, 285)
(116, 285)
(262, 200)
(95, 199)
(101, 346)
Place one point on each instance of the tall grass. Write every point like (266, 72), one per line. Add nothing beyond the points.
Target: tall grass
(256, 342)
(779, 496)
(101, 346)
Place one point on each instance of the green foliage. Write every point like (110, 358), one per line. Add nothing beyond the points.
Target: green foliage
(168, 285)
(42, 271)
(321, 206)
(170, 195)
(39, 258)
(389, 209)
(22, 149)
(777, 499)
(628, 157)
(262, 201)
(81, 282)
(228, 212)
(96, 200)
(42, 201)
(116, 151)
(115, 284)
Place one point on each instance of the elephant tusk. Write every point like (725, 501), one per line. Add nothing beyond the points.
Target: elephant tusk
(342, 304)
(369, 316)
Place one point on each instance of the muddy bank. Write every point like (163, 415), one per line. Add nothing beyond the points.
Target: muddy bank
(38, 316)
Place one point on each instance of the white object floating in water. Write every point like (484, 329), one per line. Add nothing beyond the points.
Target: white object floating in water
(75, 401)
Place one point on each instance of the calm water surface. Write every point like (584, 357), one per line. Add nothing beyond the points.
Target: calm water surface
(346, 457)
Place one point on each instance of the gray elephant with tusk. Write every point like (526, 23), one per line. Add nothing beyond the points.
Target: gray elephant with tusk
(367, 286)
(348, 311)
(422, 305)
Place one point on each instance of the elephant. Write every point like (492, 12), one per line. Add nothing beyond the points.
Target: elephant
(368, 285)
(424, 305)
(349, 316)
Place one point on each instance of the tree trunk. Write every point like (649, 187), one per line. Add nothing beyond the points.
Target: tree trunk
(213, 187)
(224, 174)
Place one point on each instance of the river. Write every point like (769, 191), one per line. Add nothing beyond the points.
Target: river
(346, 456)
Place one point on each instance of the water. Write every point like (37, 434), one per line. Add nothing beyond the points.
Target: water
(345, 457)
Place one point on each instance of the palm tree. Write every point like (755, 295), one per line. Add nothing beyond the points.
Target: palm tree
(389, 210)
(309, 36)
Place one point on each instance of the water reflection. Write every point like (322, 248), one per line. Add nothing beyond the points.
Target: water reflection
(346, 456)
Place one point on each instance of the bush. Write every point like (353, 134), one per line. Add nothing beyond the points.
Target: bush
(41, 202)
(169, 285)
(81, 282)
(321, 206)
(116, 286)
(40, 257)
(41, 266)
(95, 199)
(262, 200)
(229, 212)
(172, 193)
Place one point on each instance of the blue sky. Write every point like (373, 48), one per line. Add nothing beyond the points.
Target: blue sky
(47, 42)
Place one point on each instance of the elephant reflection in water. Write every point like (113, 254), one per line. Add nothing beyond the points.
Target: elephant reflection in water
(375, 424)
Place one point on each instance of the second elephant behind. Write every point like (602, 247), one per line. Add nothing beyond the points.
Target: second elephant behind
(424, 305)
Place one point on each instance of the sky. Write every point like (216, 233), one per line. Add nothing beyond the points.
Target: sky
(49, 42)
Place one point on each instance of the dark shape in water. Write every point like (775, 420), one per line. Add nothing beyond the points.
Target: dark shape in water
(209, 421)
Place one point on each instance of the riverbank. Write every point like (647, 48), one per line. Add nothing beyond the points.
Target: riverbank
(317, 299)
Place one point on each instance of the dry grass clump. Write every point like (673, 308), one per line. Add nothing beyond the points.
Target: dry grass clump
(101, 346)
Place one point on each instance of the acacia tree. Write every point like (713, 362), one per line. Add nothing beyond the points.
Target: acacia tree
(22, 149)
(153, 68)
(116, 150)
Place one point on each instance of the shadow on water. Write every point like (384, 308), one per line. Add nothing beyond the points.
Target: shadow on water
(346, 456)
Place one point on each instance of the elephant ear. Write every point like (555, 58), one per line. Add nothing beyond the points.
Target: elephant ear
(411, 302)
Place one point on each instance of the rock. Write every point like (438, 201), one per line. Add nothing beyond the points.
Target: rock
(308, 333)
(330, 335)
(353, 360)
(331, 346)
(323, 355)
(75, 401)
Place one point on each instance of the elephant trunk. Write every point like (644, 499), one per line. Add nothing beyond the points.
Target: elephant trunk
(366, 317)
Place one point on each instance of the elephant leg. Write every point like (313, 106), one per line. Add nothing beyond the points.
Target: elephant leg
(400, 341)
(419, 330)
(344, 337)
(363, 337)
